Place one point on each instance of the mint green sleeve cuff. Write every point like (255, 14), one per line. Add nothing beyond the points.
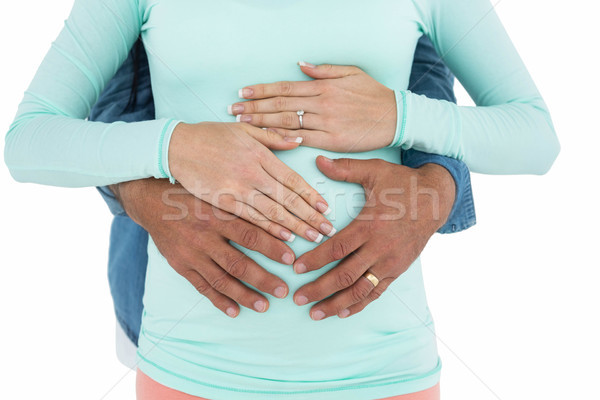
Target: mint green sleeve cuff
(50, 141)
(163, 150)
(510, 130)
(401, 107)
(70, 152)
(511, 138)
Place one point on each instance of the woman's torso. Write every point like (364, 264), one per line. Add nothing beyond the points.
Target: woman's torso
(200, 54)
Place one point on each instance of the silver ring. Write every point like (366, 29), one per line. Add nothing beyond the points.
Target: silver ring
(300, 114)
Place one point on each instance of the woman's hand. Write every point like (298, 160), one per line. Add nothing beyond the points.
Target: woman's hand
(345, 109)
(229, 166)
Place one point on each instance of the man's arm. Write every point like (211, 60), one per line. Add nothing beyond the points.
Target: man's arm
(194, 243)
(430, 77)
(121, 101)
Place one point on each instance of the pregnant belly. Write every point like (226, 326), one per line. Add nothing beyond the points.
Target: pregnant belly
(285, 336)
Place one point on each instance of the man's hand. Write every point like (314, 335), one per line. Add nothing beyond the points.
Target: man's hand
(193, 237)
(404, 207)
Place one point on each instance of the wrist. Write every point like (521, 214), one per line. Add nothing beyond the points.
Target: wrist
(115, 191)
(129, 194)
(178, 145)
(439, 179)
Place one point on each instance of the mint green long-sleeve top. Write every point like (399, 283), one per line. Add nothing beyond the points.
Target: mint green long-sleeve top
(200, 53)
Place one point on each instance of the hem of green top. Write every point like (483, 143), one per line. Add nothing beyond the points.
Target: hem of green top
(186, 384)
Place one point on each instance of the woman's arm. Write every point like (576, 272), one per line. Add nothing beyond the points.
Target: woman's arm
(49, 141)
(430, 76)
(510, 130)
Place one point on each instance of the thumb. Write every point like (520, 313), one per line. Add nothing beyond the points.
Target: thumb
(324, 71)
(347, 169)
(273, 140)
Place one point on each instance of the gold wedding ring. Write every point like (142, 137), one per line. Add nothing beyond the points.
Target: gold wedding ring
(372, 278)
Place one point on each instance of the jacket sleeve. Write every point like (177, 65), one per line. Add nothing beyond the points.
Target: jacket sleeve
(430, 76)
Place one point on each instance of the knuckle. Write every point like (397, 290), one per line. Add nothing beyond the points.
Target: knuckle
(339, 249)
(344, 278)
(345, 163)
(262, 155)
(292, 180)
(198, 242)
(269, 227)
(359, 292)
(285, 88)
(253, 216)
(298, 225)
(376, 293)
(280, 103)
(178, 265)
(202, 287)
(250, 107)
(313, 218)
(250, 238)
(220, 283)
(237, 267)
(287, 120)
(275, 212)
(291, 200)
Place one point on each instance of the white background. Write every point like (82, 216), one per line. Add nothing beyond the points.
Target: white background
(515, 298)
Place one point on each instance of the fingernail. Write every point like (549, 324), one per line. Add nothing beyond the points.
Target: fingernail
(328, 229)
(317, 315)
(301, 300)
(288, 258)
(329, 160)
(231, 312)
(243, 93)
(244, 118)
(287, 236)
(305, 64)
(260, 305)
(235, 109)
(300, 268)
(238, 117)
(314, 235)
(323, 208)
(280, 292)
(344, 313)
(293, 139)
